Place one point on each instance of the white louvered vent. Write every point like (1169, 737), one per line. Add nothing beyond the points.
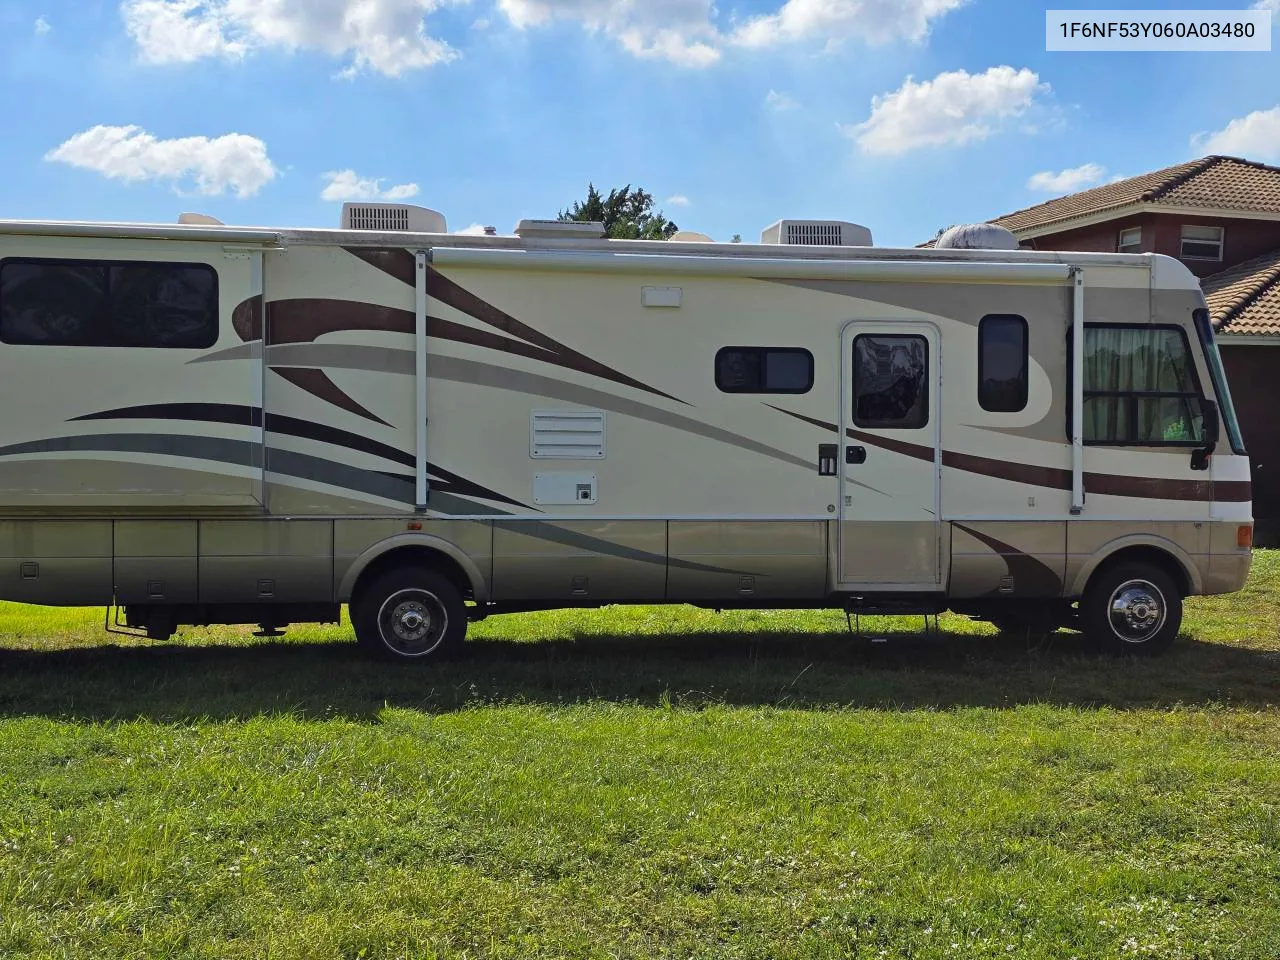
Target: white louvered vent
(392, 217)
(566, 434)
(825, 233)
(379, 218)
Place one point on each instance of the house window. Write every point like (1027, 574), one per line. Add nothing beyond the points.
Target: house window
(890, 381)
(1201, 243)
(1002, 363)
(764, 370)
(100, 303)
(1140, 387)
(1130, 241)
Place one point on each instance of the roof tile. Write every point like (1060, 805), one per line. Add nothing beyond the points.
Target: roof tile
(1245, 299)
(1215, 182)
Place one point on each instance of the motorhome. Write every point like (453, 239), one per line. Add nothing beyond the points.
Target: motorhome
(211, 424)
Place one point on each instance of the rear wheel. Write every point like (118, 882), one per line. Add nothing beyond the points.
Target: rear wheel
(1132, 609)
(410, 613)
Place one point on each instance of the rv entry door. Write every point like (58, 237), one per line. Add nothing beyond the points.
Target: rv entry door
(891, 459)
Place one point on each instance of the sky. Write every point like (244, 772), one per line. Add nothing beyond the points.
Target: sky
(902, 115)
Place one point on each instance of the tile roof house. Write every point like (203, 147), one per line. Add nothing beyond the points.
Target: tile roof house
(1221, 217)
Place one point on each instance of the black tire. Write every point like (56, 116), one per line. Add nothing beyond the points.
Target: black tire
(410, 613)
(1131, 609)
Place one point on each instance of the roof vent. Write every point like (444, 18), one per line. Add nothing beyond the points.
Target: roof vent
(561, 229)
(977, 236)
(822, 233)
(392, 217)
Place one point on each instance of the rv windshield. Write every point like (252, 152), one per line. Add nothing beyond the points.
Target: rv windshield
(1204, 328)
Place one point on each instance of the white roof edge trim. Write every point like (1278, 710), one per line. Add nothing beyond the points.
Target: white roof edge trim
(1168, 273)
(935, 270)
(138, 231)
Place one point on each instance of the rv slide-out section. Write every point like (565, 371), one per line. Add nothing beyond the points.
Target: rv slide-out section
(219, 425)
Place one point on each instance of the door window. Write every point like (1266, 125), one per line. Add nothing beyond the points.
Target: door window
(890, 381)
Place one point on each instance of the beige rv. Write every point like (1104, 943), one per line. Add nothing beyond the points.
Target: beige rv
(211, 424)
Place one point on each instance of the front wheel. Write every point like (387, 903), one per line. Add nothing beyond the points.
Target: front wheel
(1132, 609)
(411, 613)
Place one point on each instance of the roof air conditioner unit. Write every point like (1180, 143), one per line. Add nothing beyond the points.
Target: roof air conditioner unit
(823, 233)
(560, 229)
(392, 217)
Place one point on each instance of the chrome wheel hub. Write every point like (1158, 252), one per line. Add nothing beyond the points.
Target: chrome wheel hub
(410, 620)
(413, 622)
(1136, 611)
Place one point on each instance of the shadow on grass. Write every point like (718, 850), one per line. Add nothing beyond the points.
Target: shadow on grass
(177, 682)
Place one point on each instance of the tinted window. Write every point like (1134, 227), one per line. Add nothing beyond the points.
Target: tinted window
(764, 370)
(890, 381)
(1140, 387)
(1002, 363)
(107, 304)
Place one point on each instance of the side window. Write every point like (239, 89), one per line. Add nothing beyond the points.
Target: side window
(764, 370)
(108, 304)
(890, 381)
(1002, 363)
(1140, 387)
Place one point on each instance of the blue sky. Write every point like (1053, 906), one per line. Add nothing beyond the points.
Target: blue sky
(904, 115)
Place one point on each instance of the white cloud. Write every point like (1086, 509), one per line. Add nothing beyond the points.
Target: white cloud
(678, 200)
(1255, 136)
(951, 109)
(385, 36)
(875, 21)
(475, 230)
(1069, 180)
(234, 162)
(348, 185)
(1272, 5)
(390, 36)
(685, 32)
(779, 101)
(42, 26)
(680, 31)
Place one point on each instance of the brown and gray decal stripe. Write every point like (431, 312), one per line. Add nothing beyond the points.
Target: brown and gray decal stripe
(399, 263)
(1031, 577)
(443, 481)
(234, 452)
(1104, 484)
(397, 361)
(549, 531)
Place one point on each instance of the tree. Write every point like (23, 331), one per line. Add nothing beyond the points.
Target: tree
(626, 214)
(737, 238)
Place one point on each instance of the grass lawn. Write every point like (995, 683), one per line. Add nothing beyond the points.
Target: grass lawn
(643, 781)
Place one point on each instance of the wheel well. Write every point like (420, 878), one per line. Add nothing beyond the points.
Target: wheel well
(415, 557)
(1154, 556)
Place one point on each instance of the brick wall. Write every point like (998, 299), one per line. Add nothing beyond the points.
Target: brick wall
(1251, 371)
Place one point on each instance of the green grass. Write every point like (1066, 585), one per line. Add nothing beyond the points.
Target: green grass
(643, 781)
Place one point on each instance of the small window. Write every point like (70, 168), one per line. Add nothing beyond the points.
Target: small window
(890, 381)
(1002, 363)
(1130, 241)
(1140, 388)
(1201, 243)
(108, 304)
(764, 370)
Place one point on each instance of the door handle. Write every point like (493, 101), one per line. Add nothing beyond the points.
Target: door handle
(855, 454)
(827, 459)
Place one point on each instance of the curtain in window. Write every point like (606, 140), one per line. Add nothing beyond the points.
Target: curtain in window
(1138, 387)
